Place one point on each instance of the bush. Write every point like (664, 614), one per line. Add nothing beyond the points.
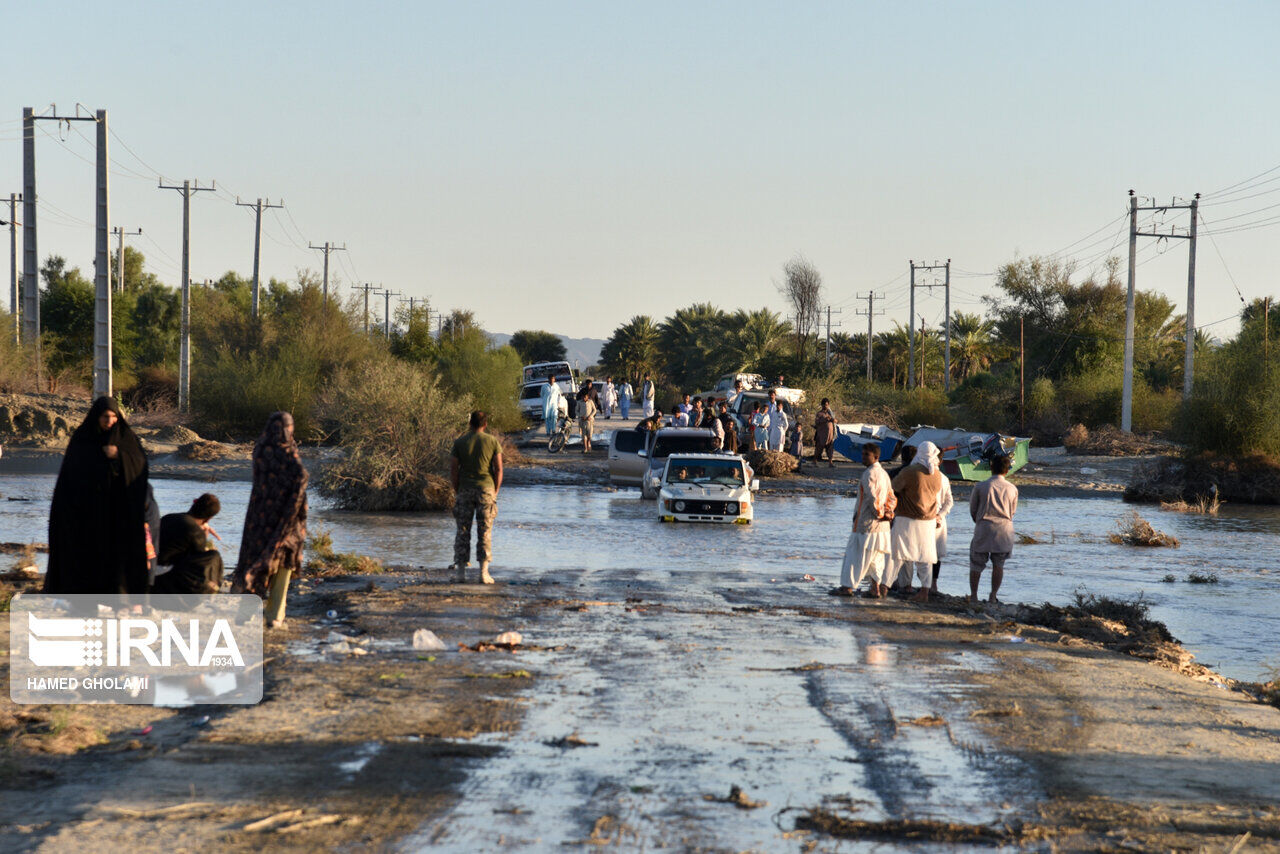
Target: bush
(488, 376)
(1092, 397)
(1233, 405)
(925, 406)
(396, 426)
(17, 363)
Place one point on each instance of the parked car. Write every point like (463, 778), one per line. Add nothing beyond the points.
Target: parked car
(626, 466)
(724, 386)
(531, 401)
(706, 488)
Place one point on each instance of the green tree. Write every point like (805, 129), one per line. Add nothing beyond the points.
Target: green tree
(633, 350)
(757, 335)
(536, 345)
(693, 345)
(973, 345)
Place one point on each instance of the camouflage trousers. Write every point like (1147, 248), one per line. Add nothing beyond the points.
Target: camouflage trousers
(481, 505)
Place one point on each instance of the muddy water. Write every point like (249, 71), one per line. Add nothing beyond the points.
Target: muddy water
(1232, 625)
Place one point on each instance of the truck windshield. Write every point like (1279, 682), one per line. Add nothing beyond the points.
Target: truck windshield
(727, 472)
(541, 372)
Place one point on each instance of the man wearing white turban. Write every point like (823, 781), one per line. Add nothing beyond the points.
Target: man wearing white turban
(915, 524)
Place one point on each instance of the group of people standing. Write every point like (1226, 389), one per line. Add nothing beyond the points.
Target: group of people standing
(106, 534)
(900, 525)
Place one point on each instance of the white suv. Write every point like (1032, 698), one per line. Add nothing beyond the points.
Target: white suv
(707, 488)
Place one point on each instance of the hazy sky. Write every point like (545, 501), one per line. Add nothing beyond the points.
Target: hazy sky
(568, 165)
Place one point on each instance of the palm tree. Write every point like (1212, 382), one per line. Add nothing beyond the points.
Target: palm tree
(632, 350)
(693, 344)
(972, 343)
(756, 336)
(893, 347)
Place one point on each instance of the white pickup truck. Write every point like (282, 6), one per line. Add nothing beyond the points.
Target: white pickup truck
(535, 377)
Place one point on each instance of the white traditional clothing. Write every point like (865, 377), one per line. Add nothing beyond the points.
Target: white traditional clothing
(915, 526)
(778, 424)
(608, 397)
(869, 545)
(717, 429)
(759, 421)
(625, 393)
(551, 407)
(646, 398)
(680, 419)
(945, 502)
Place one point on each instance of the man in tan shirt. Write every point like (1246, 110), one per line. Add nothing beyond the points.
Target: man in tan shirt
(991, 506)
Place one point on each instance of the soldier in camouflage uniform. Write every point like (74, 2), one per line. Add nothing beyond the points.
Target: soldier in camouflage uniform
(475, 469)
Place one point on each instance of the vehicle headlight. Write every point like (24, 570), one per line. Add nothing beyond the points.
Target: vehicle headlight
(731, 508)
(679, 506)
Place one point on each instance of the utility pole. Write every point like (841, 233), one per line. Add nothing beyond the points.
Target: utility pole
(14, 198)
(258, 207)
(946, 330)
(827, 360)
(120, 234)
(367, 288)
(386, 311)
(870, 313)
(922, 327)
(102, 236)
(911, 349)
(1126, 403)
(184, 346)
(1022, 370)
(329, 247)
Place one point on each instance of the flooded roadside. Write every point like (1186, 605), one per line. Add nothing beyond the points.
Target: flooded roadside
(1230, 625)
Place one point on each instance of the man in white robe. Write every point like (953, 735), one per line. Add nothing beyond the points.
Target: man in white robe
(915, 522)
(625, 393)
(551, 406)
(869, 545)
(647, 392)
(608, 397)
(778, 424)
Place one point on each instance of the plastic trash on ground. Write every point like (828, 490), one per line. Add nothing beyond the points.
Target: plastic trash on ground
(513, 638)
(425, 639)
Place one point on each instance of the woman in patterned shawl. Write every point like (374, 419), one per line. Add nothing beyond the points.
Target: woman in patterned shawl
(275, 525)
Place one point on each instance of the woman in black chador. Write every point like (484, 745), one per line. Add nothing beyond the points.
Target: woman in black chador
(97, 534)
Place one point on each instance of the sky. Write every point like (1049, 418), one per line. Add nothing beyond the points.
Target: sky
(566, 166)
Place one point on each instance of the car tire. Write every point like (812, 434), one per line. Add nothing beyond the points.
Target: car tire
(646, 493)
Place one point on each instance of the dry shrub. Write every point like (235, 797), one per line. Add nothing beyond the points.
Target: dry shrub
(206, 452)
(1107, 441)
(176, 434)
(772, 463)
(1204, 505)
(1133, 530)
(325, 561)
(395, 426)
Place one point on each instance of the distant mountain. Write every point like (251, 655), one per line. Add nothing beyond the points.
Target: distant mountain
(581, 352)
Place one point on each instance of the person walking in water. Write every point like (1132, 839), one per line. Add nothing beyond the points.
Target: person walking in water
(625, 393)
(551, 398)
(475, 470)
(647, 393)
(868, 549)
(991, 506)
(97, 520)
(275, 523)
(915, 522)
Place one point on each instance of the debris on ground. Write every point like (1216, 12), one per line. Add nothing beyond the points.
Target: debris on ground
(926, 721)
(738, 798)
(509, 639)
(771, 463)
(916, 830)
(1014, 711)
(425, 639)
(204, 451)
(1133, 530)
(1107, 441)
(504, 674)
(340, 644)
(571, 740)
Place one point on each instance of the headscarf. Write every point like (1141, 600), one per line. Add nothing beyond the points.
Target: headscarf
(97, 538)
(275, 523)
(927, 456)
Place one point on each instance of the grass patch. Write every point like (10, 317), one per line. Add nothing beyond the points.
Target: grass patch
(325, 560)
(505, 674)
(1202, 578)
(1169, 578)
(1204, 505)
(1133, 530)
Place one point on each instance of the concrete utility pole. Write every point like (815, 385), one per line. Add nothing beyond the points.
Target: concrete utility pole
(367, 288)
(14, 312)
(102, 229)
(258, 207)
(870, 313)
(386, 311)
(945, 283)
(120, 234)
(1126, 402)
(827, 361)
(184, 346)
(329, 247)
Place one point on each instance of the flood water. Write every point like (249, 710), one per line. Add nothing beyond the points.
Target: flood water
(1232, 626)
